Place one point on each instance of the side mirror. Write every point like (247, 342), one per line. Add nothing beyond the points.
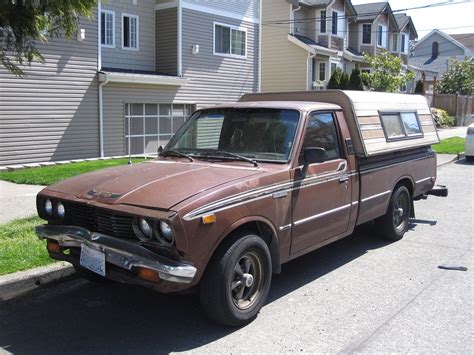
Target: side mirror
(312, 156)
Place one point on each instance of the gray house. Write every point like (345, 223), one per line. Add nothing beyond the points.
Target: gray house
(432, 54)
(130, 79)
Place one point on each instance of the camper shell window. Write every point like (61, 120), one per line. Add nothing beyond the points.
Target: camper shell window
(400, 125)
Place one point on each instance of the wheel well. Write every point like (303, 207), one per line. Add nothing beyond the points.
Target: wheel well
(407, 183)
(266, 233)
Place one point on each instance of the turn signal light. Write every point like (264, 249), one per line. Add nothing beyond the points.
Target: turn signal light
(149, 275)
(209, 219)
(53, 246)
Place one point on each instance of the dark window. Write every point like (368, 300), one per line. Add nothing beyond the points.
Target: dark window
(366, 33)
(403, 43)
(130, 32)
(323, 21)
(229, 40)
(322, 71)
(334, 23)
(126, 32)
(395, 42)
(321, 133)
(380, 36)
(400, 125)
(435, 50)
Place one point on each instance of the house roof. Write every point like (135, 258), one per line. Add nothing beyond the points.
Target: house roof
(439, 64)
(404, 20)
(316, 3)
(369, 11)
(466, 39)
(449, 38)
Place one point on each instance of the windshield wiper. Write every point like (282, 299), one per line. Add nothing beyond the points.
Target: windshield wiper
(176, 153)
(229, 154)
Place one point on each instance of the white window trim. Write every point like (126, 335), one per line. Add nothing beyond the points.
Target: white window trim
(398, 43)
(384, 36)
(113, 28)
(138, 32)
(232, 27)
(325, 20)
(406, 42)
(340, 31)
(362, 34)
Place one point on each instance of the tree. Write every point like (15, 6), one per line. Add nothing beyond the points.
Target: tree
(335, 79)
(458, 79)
(24, 22)
(386, 72)
(355, 82)
(344, 83)
(419, 89)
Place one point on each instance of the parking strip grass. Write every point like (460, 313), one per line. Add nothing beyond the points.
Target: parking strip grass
(47, 175)
(453, 145)
(20, 248)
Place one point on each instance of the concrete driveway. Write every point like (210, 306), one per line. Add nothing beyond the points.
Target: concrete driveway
(17, 201)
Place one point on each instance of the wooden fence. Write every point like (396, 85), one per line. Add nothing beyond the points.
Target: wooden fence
(459, 106)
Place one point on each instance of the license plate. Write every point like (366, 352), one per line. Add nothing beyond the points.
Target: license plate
(92, 259)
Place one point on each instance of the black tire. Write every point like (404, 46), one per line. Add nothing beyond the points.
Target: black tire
(245, 264)
(394, 223)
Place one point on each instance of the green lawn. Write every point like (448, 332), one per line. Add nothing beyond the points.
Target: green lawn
(453, 145)
(48, 175)
(20, 249)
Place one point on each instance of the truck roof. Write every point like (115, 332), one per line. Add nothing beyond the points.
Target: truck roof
(296, 105)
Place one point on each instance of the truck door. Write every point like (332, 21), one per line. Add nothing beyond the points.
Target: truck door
(322, 200)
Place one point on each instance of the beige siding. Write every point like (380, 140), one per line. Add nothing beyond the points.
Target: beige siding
(144, 57)
(166, 41)
(52, 114)
(284, 65)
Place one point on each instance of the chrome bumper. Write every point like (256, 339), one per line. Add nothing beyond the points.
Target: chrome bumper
(118, 252)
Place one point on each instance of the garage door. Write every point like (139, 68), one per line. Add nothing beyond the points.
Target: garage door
(147, 126)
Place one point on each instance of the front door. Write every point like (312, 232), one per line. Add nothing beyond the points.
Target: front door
(322, 200)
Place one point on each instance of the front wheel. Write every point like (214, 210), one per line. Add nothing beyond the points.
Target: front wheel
(394, 223)
(237, 281)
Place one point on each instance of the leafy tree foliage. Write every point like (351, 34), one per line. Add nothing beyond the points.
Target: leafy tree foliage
(458, 79)
(24, 22)
(335, 79)
(355, 82)
(419, 87)
(344, 82)
(386, 72)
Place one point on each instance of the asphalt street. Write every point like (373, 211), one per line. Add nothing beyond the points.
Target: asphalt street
(359, 295)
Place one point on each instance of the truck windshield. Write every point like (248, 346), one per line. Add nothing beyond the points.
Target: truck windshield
(261, 134)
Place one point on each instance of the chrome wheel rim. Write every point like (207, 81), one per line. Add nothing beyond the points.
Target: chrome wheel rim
(400, 212)
(247, 280)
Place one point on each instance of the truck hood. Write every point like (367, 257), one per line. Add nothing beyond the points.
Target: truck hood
(154, 184)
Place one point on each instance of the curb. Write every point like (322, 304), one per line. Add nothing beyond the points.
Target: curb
(459, 156)
(19, 283)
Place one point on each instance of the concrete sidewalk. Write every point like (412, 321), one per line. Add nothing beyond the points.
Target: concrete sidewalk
(17, 201)
(452, 132)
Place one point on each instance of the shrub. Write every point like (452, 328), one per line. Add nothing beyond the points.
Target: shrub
(335, 79)
(355, 82)
(442, 118)
(344, 83)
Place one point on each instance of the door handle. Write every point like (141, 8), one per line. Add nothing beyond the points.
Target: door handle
(344, 178)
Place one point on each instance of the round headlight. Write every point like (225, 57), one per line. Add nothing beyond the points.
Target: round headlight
(48, 207)
(145, 228)
(60, 210)
(166, 233)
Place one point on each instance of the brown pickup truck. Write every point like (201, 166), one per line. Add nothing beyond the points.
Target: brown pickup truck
(243, 188)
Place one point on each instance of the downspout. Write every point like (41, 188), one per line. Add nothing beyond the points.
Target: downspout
(309, 78)
(259, 88)
(292, 18)
(180, 38)
(99, 68)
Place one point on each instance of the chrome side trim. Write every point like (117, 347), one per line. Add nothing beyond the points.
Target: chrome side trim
(319, 215)
(285, 227)
(375, 196)
(425, 179)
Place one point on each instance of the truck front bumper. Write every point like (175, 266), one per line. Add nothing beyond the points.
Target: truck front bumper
(121, 253)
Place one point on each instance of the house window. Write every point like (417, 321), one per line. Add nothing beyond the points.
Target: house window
(334, 22)
(107, 28)
(147, 126)
(434, 50)
(230, 40)
(322, 71)
(401, 125)
(395, 42)
(366, 33)
(404, 43)
(382, 36)
(129, 31)
(322, 27)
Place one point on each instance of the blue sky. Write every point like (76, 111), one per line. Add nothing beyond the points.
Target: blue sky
(452, 18)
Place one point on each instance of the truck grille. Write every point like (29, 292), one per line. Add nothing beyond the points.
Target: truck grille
(100, 220)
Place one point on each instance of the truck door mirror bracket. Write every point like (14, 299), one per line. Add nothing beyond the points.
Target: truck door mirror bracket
(311, 156)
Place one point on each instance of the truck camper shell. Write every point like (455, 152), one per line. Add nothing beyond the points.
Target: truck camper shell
(378, 122)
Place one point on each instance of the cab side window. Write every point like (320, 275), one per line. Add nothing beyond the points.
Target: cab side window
(321, 133)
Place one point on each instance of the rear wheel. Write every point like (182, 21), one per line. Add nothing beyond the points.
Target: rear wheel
(394, 223)
(237, 281)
